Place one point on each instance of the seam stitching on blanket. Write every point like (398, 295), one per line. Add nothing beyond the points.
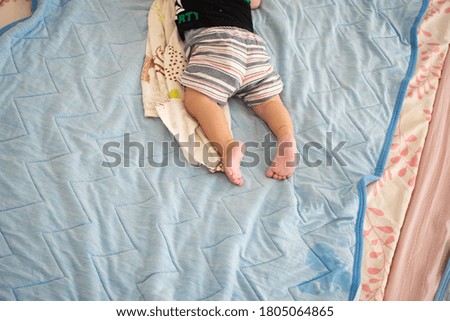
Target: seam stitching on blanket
(7, 244)
(229, 213)
(14, 290)
(402, 91)
(281, 254)
(356, 279)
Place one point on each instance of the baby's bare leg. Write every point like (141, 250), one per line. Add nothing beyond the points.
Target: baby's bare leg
(279, 121)
(212, 120)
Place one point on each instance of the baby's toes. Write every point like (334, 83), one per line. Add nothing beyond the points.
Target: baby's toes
(270, 173)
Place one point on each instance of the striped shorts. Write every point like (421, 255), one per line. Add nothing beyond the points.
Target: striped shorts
(227, 61)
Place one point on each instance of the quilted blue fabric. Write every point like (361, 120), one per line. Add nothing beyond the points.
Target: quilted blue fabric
(75, 228)
(443, 292)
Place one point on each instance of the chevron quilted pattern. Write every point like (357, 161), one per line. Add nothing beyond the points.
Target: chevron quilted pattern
(72, 228)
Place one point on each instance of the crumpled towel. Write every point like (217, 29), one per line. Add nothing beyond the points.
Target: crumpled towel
(163, 94)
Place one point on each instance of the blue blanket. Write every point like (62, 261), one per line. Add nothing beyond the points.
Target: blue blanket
(443, 292)
(96, 202)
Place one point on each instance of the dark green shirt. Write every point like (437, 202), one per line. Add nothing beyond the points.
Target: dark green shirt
(193, 14)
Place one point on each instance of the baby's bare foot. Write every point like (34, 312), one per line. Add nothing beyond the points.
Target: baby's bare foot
(232, 162)
(284, 163)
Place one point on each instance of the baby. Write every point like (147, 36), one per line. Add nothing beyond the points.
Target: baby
(225, 59)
